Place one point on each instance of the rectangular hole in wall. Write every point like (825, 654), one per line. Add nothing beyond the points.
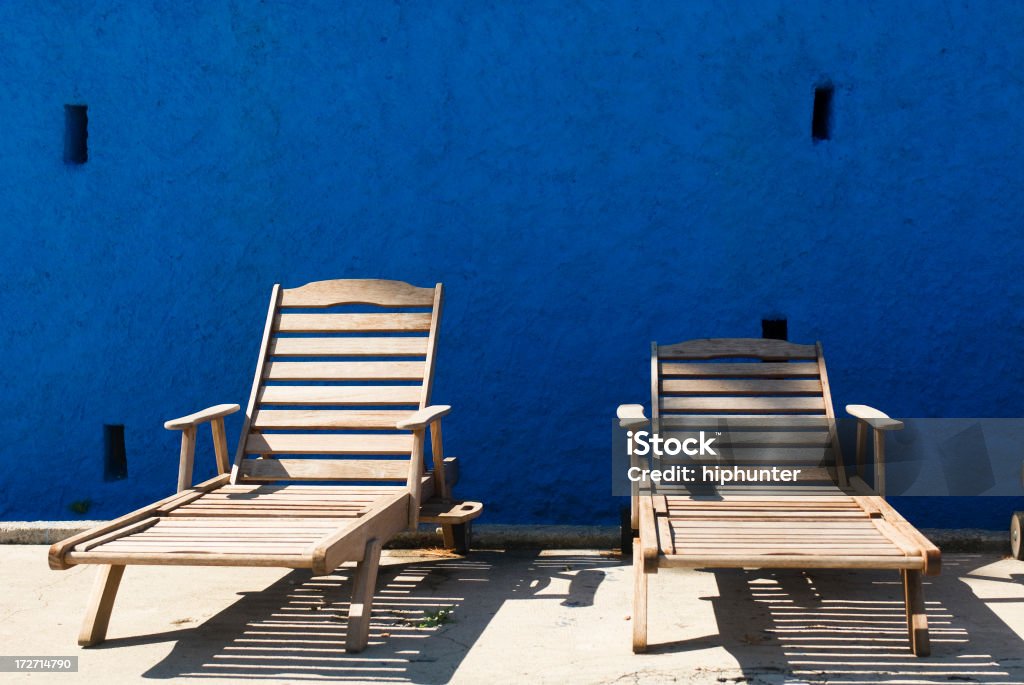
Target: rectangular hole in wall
(821, 119)
(115, 458)
(76, 134)
(775, 329)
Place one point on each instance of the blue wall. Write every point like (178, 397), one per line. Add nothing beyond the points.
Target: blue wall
(583, 180)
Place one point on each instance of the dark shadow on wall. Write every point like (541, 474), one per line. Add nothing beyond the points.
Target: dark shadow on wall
(426, 617)
(849, 628)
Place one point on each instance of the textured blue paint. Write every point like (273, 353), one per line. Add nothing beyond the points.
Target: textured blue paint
(584, 180)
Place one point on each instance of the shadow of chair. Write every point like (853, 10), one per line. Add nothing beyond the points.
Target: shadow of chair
(427, 614)
(849, 628)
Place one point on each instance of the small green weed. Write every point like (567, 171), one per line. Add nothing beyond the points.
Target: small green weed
(433, 619)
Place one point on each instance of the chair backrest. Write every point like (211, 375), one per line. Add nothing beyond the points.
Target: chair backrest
(341, 362)
(769, 398)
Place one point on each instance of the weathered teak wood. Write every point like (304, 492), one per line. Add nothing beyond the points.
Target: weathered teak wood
(188, 425)
(639, 599)
(101, 603)
(316, 401)
(774, 408)
(58, 551)
(361, 606)
(879, 422)
(917, 619)
(186, 457)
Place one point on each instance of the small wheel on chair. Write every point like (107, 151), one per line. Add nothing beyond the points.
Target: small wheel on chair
(626, 532)
(1017, 535)
(463, 537)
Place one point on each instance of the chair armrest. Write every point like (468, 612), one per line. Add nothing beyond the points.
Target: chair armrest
(420, 419)
(631, 416)
(208, 414)
(868, 417)
(874, 418)
(649, 545)
(417, 422)
(187, 426)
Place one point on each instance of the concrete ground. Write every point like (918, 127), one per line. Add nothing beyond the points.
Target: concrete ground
(519, 617)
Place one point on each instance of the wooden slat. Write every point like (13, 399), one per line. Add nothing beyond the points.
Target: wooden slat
(765, 515)
(345, 371)
(838, 463)
(250, 410)
(278, 443)
(188, 497)
(780, 490)
(752, 405)
(351, 323)
(760, 422)
(340, 394)
(428, 380)
(57, 556)
(752, 498)
(130, 529)
(772, 550)
(324, 469)
(782, 438)
(768, 540)
(319, 489)
(717, 386)
(741, 370)
(405, 346)
(861, 524)
(302, 498)
(227, 523)
(721, 348)
(382, 293)
(191, 559)
(312, 419)
(238, 513)
(763, 457)
(300, 506)
(743, 560)
(824, 536)
(771, 505)
(665, 537)
(222, 546)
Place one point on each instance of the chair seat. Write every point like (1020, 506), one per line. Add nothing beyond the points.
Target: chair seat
(252, 525)
(818, 530)
(291, 500)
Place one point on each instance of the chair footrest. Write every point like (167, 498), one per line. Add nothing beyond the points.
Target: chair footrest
(449, 513)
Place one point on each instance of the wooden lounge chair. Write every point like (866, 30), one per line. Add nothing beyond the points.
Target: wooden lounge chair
(345, 397)
(770, 397)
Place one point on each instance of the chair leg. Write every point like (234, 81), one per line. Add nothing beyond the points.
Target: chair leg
(101, 602)
(362, 598)
(626, 531)
(457, 538)
(463, 538)
(917, 620)
(639, 600)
